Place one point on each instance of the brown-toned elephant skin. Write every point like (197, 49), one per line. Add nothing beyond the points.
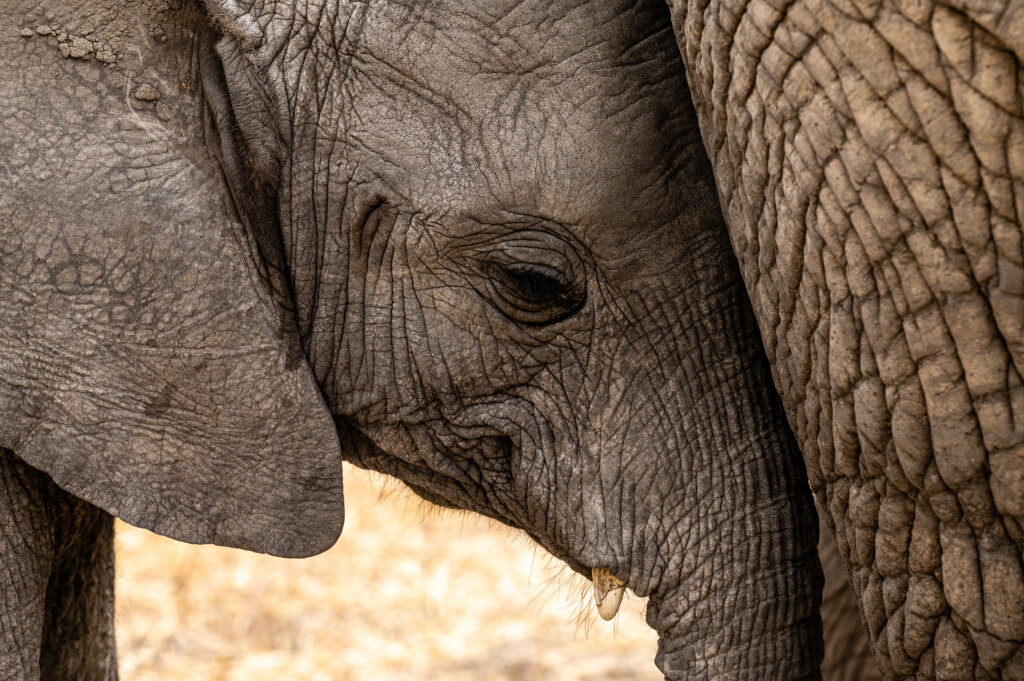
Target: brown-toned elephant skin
(869, 156)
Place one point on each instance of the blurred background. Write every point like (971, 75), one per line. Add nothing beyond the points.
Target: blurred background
(409, 592)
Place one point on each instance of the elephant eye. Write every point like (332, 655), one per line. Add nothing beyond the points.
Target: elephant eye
(535, 278)
(534, 286)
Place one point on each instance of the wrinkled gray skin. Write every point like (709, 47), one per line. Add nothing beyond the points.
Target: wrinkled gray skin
(488, 236)
(493, 236)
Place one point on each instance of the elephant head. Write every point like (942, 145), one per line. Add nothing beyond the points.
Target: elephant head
(512, 281)
(479, 244)
(870, 161)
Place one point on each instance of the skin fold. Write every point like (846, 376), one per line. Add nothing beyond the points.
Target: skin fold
(848, 654)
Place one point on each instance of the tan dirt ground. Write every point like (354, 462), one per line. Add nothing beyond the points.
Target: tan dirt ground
(407, 594)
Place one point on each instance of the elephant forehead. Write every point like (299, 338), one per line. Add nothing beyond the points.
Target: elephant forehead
(571, 117)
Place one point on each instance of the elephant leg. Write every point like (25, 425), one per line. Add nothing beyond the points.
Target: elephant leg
(847, 651)
(56, 581)
(78, 632)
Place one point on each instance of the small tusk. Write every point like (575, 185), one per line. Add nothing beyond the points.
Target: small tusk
(608, 590)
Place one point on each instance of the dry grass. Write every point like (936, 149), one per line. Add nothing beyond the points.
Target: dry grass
(405, 594)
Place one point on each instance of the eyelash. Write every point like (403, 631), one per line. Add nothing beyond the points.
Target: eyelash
(533, 294)
(535, 285)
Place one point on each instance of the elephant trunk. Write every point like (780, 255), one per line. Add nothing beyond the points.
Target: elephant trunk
(694, 490)
(746, 600)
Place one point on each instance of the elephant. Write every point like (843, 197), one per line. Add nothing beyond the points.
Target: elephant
(477, 248)
(534, 260)
(870, 163)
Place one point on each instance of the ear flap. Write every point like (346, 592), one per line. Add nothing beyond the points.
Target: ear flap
(148, 360)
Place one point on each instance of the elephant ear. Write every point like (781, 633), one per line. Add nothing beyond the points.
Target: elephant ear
(149, 360)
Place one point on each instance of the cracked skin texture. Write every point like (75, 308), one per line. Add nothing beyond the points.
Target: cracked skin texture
(870, 161)
(147, 366)
(638, 431)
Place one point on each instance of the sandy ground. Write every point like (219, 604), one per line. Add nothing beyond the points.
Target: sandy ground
(407, 593)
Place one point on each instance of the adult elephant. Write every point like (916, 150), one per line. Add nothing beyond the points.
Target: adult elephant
(870, 161)
(479, 245)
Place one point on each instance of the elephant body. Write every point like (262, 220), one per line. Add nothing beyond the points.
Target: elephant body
(876, 214)
(241, 240)
(848, 655)
(481, 248)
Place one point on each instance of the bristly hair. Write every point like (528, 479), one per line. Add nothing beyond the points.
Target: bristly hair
(559, 587)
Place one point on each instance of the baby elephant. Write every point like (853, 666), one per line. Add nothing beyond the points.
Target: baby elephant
(473, 245)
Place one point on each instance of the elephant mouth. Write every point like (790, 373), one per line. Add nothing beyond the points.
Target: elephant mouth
(468, 473)
(675, 657)
(608, 588)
